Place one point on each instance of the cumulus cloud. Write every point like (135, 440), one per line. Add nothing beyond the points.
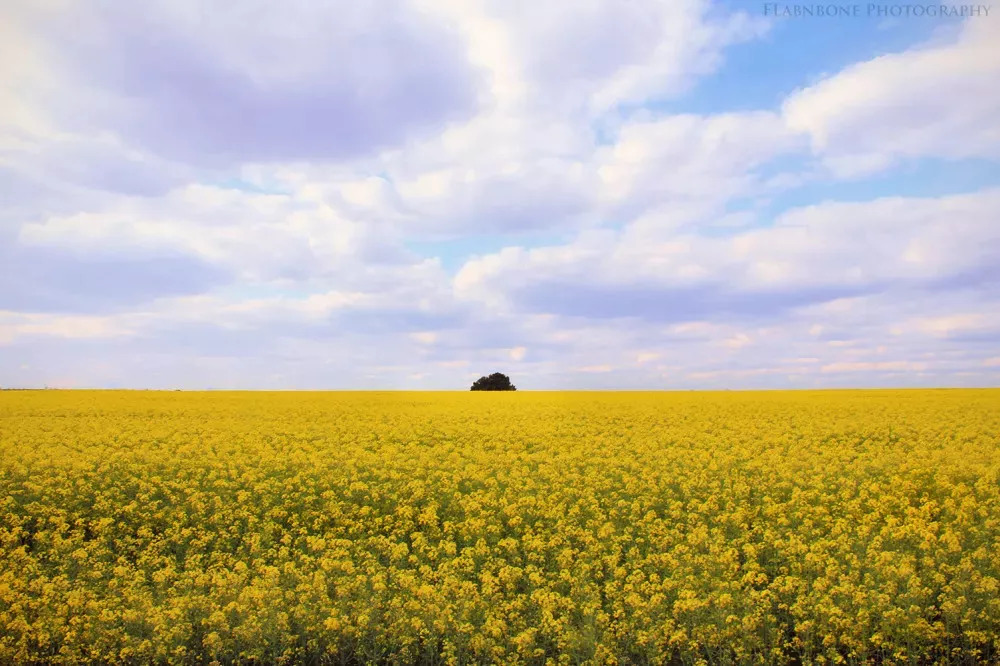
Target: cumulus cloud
(932, 100)
(688, 160)
(14, 325)
(253, 236)
(812, 254)
(558, 53)
(195, 197)
(556, 77)
(64, 280)
(302, 80)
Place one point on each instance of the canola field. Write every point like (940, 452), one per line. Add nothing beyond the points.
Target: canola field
(522, 528)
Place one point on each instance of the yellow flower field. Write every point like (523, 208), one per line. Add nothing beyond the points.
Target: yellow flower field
(564, 528)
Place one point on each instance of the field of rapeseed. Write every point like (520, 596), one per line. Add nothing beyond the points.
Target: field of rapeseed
(808, 527)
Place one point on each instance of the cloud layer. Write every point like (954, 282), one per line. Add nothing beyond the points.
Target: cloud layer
(322, 195)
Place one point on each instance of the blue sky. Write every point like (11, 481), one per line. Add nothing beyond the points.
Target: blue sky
(601, 195)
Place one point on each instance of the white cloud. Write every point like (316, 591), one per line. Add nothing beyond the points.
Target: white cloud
(937, 100)
(595, 368)
(832, 249)
(259, 228)
(956, 324)
(530, 158)
(880, 366)
(256, 236)
(14, 325)
(425, 337)
(944, 326)
(681, 158)
(738, 341)
(605, 52)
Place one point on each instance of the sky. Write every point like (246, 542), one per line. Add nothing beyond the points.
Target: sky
(582, 194)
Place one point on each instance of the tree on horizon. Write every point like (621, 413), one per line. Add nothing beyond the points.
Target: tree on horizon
(495, 382)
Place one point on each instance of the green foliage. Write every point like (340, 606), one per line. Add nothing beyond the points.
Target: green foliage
(495, 382)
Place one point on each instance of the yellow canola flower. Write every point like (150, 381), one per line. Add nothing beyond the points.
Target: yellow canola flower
(528, 528)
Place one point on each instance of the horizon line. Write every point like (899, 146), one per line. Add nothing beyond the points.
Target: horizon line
(539, 390)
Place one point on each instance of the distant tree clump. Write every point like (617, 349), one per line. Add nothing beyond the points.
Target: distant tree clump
(495, 382)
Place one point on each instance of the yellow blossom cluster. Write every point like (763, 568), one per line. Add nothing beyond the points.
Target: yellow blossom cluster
(521, 528)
